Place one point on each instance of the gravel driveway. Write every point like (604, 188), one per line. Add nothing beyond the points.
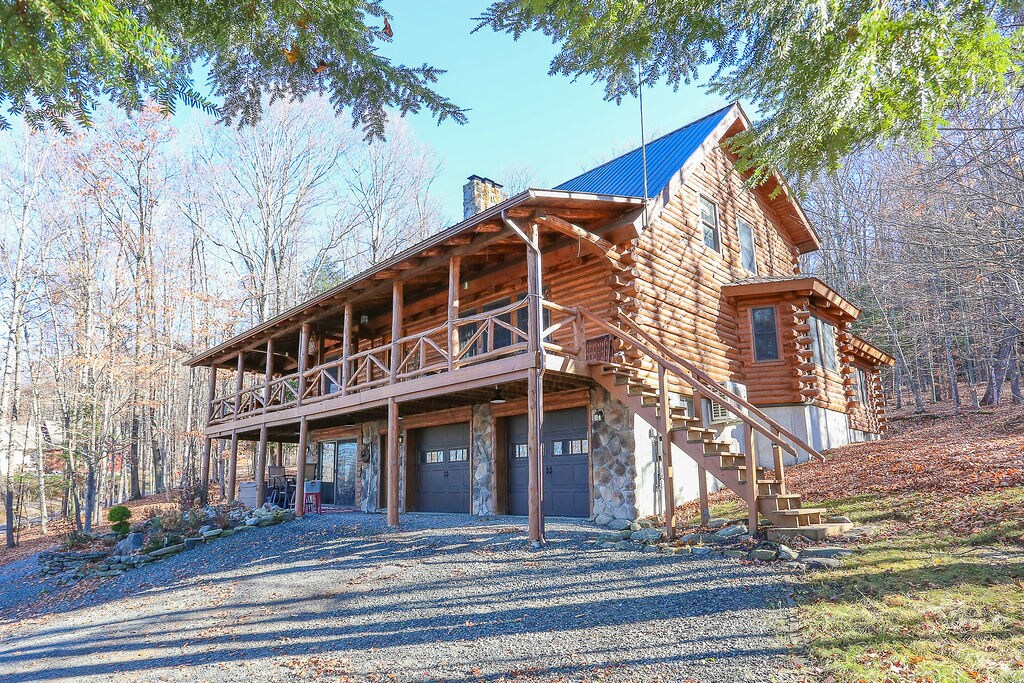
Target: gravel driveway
(447, 598)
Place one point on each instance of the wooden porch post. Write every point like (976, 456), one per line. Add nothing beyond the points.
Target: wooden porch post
(204, 472)
(239, 376)
(232, 466)
(346, 347)
(268, 374)
(666, 455)
(212, 393)
(261, 466)
(748, 448)
(279, 462)
(396, 333)
(535, 390)
(702, 471)
(396, 327)
(303, 358)
(233, 459)
(261, 453)
(300, 469)
(392, 456)
(454, 277)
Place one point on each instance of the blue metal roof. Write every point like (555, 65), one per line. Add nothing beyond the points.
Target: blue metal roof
(624, 176)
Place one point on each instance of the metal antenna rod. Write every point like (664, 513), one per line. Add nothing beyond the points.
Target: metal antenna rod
(643, 137)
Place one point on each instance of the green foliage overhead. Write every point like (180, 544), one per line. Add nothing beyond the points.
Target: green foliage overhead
(58, 60)
(827, 78)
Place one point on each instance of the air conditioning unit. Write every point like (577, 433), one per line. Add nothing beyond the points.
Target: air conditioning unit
(718, 413)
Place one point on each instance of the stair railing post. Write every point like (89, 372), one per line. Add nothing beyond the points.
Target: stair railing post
(780, 468)
(751, 458)
(666, 454)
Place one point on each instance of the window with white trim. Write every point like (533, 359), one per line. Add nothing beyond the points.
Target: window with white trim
(746, 234)
(709, 223)
(823, 343)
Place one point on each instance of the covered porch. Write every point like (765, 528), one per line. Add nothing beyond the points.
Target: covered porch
(449, 323)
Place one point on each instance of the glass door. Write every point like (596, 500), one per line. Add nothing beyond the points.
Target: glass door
(327, 471)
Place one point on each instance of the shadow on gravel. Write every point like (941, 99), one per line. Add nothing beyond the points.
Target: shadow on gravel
(544, 599)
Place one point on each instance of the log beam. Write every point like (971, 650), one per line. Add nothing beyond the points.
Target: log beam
(392, 462)
(300, 469)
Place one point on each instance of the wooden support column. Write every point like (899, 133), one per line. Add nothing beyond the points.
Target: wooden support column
(300, 469)
(212, 393)
(239, 376)
(396, 327)
(751, 460)
(204, 472)
(702, 471)
(535, 390)
(454, 278)
(280, 455)
(261, 467)
(232, 466)
(666, 455)
(268, 374)
(346, 347)
(392, 460)
(303, 358)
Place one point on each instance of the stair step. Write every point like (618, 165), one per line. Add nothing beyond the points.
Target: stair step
(717, 447)
(637, 388)
(794, 518)
(777, 503)
(650, 399)
(695, 434)
(624, 378)
(729, 459)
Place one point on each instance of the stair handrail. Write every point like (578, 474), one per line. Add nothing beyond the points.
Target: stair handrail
(690, 373)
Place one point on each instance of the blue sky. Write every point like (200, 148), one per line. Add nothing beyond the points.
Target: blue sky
(519, 115)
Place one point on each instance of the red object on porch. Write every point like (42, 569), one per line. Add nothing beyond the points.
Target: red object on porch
(311, 502)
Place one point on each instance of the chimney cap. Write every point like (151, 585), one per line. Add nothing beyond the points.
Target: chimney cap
(483, 179)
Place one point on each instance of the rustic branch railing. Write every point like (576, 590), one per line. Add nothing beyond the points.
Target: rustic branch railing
(463, 342)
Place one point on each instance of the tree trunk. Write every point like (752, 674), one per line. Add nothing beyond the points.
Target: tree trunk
(9, 514)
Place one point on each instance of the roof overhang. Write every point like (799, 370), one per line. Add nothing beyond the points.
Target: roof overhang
(864, 350)
(806, 285)
(526, 203)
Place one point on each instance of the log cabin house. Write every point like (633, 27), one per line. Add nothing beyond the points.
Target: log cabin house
(573, 351)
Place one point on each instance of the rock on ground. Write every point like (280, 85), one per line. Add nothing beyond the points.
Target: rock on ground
(446, 597)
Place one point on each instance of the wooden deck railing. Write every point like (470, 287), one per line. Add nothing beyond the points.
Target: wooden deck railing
(455, 344)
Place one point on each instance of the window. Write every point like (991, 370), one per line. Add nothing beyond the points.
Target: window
(862, 385)
(823, 343)
(746, 233)
(458, 455)
(502, 336)
(766, 333)
(433, 456)
(519, 451)
(466, 333)
(709, 223)
(570, 447)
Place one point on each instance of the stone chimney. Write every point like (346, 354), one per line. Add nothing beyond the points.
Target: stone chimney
(479, 194)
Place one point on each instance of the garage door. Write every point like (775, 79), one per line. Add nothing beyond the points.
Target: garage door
(566, 467)
(443, 469)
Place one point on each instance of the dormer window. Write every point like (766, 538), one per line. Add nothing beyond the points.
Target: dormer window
(709, 223)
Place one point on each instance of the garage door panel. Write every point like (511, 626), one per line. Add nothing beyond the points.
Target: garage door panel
(566, 464)
(443, 468)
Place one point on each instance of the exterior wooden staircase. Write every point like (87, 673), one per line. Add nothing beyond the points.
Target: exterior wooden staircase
(765, 491)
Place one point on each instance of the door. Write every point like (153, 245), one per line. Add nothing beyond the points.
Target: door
(565, 465)
(345, 473)
(442, 481)
(338, 472)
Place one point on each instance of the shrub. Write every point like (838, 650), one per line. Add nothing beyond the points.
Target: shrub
(153, 542)
(119, 515)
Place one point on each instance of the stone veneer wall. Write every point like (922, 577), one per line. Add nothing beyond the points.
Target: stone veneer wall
(369, 472)
(613, 454)
(482, 449)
